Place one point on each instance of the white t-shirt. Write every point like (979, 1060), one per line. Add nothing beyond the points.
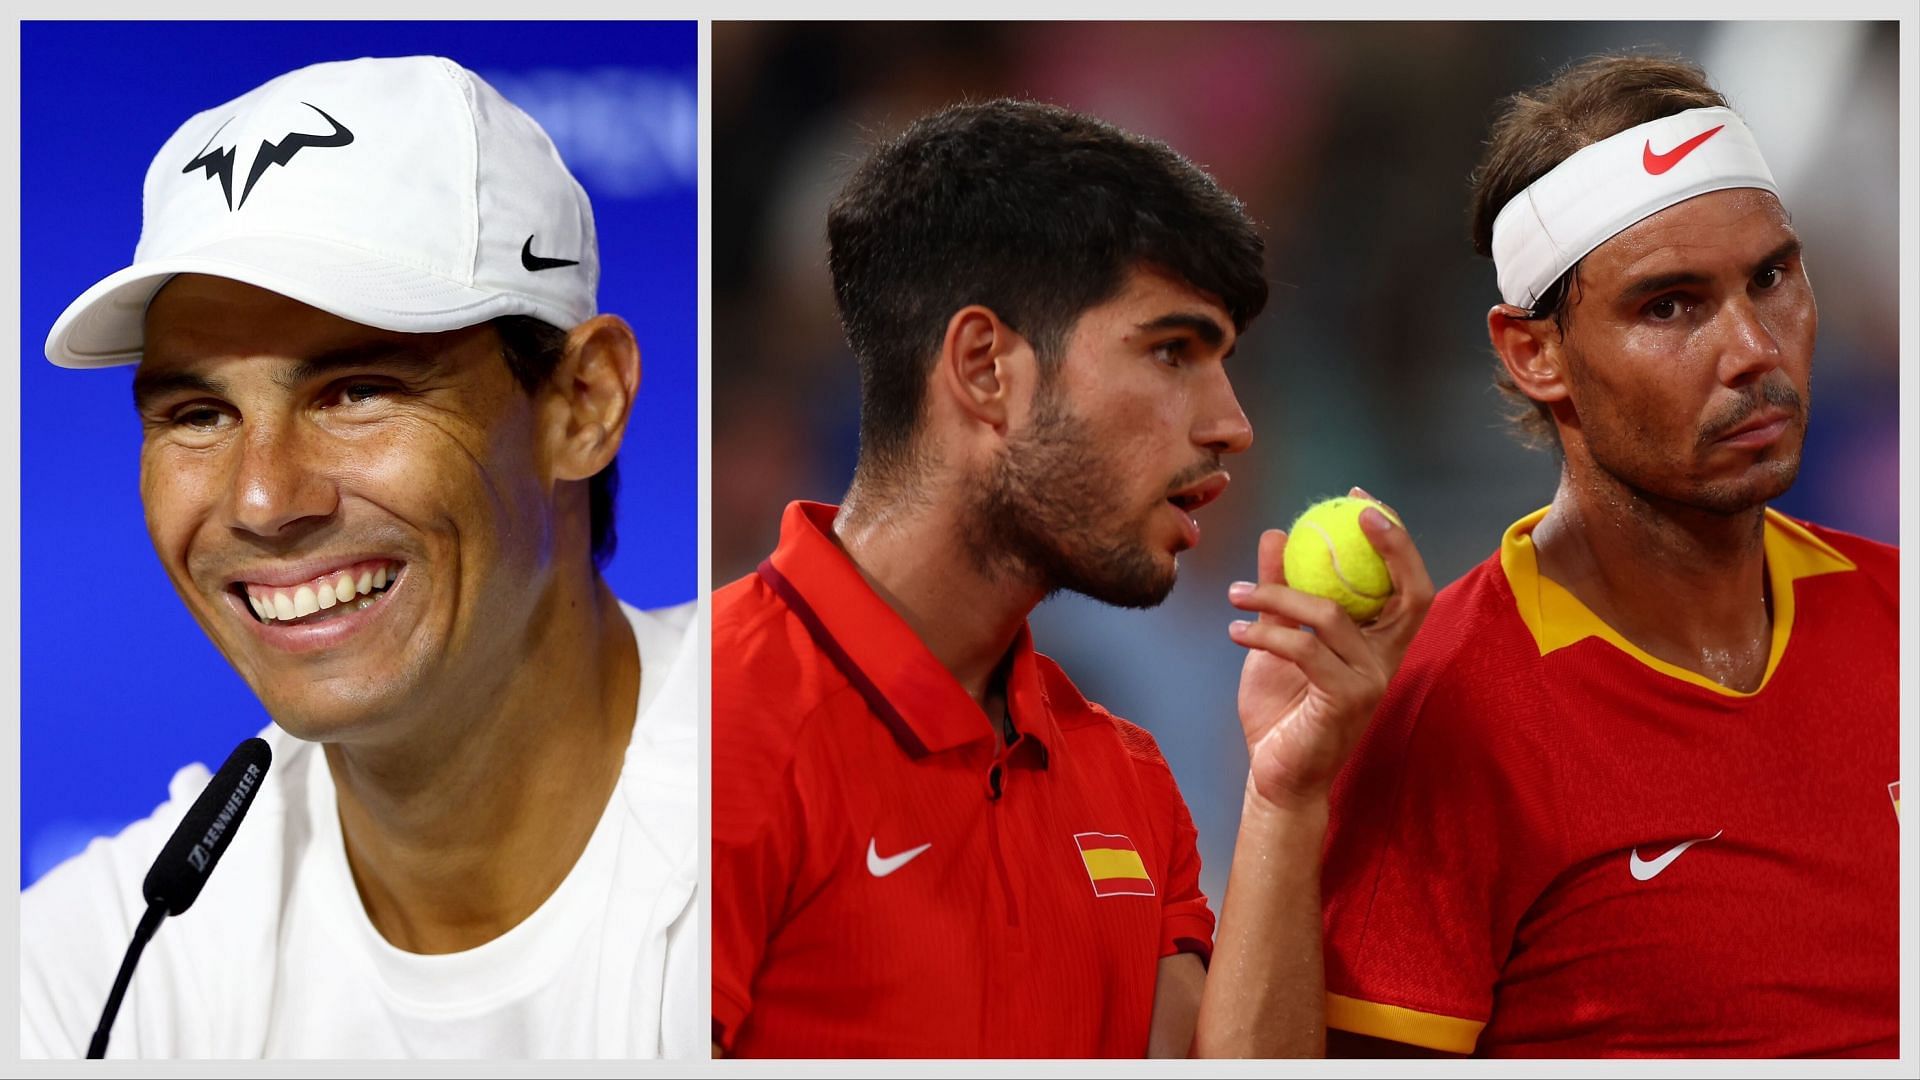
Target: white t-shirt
(277, 957)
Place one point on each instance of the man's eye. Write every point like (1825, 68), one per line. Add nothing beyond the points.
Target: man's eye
(1664, 309)
(199, 418)
(1171, 352)
(1768, 278)
(354, 393)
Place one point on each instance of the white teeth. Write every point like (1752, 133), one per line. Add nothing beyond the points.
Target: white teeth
(279, 604)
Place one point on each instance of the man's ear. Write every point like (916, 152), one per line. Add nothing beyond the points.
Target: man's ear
(985, 367)
(593, 389)
(1532, 350)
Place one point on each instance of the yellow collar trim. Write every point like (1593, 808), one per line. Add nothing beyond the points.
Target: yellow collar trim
(1558, 619)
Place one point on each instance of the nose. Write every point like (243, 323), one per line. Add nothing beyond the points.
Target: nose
(1749, 348)
(1222, 426)
(278, 481)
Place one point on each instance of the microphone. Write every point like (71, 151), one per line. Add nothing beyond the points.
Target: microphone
(175, 880)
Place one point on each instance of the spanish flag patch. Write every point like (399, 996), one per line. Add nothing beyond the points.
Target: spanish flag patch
(1113, 865)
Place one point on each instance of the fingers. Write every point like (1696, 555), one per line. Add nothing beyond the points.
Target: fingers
(1322, 667)
(1278, 605)
(1412, 586)
(1272, 566)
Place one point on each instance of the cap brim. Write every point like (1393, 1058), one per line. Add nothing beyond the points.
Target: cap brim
(105, 326)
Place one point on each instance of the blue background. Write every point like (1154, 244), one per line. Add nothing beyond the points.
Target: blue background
(119, 686)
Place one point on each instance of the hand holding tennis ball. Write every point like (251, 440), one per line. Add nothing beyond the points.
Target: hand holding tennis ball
(1327, 555)
(1313, 673)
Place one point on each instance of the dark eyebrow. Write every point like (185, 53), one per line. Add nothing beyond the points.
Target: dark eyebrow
(1659, 283)
(150, 385)
(1787, 250)
(1202, 327)
(379, 353)
(384, 354)
(1662, 282)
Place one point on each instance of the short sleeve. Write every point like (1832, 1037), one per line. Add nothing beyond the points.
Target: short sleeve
(1186, 922)
(1441, 829)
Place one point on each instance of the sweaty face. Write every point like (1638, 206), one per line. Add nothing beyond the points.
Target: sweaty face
(355, 517)
(1094, 493)
(1690, 353)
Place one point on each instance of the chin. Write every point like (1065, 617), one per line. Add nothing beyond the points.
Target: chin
(1762, 484)
(1141, 582)
(329, 711)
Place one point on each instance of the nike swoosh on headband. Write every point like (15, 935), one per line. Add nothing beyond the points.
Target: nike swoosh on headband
(1655, 164)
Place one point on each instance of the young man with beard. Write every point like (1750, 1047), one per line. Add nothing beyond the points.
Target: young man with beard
(926, 842)
(376, 443)
(1634, 791)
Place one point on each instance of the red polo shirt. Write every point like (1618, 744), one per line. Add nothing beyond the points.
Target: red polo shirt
(1553, 844)
(888, 881)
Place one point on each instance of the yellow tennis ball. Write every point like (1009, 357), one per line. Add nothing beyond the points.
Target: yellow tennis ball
(1328, 555)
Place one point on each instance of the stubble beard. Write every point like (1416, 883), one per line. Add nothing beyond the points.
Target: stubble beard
(1619, 453)
(1050, 511)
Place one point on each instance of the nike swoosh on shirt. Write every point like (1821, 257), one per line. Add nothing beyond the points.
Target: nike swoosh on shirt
(1655, 164)
(1647, 871)
(880, 867)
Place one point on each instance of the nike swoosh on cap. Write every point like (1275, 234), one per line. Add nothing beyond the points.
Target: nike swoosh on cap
(1643, 870)
(537, 263)
(880, 867)
(1655, 164)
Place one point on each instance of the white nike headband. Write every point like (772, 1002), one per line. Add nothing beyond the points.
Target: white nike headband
(1604, 188)
(402, 193)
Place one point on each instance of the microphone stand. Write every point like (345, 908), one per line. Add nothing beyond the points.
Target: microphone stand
(188, 857)
(149, 922)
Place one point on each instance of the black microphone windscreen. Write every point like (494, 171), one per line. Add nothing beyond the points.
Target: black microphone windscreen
(183, 865)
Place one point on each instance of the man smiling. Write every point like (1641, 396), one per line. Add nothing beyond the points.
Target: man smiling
(380, 415)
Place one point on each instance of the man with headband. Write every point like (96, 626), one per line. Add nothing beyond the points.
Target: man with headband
(379, 411)
(1629, 793)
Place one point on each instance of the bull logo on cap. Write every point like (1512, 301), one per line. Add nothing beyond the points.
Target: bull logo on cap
(219, 162)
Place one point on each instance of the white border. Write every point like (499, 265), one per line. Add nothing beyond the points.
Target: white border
(1909, 391)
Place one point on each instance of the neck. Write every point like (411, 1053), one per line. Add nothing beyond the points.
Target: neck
(460, 829)
(913, 554)
(1686, 585)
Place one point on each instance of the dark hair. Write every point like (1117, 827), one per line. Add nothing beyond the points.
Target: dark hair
(533, 348)
(1028, 209)
(1539, 128)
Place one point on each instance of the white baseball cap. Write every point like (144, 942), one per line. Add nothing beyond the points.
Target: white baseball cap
(401, 193)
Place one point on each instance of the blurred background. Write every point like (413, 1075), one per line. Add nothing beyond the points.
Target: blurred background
(119, 688)
(1351, 145)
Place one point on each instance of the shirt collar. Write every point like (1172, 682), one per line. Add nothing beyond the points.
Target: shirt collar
(1558, 619)
(919, 700)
